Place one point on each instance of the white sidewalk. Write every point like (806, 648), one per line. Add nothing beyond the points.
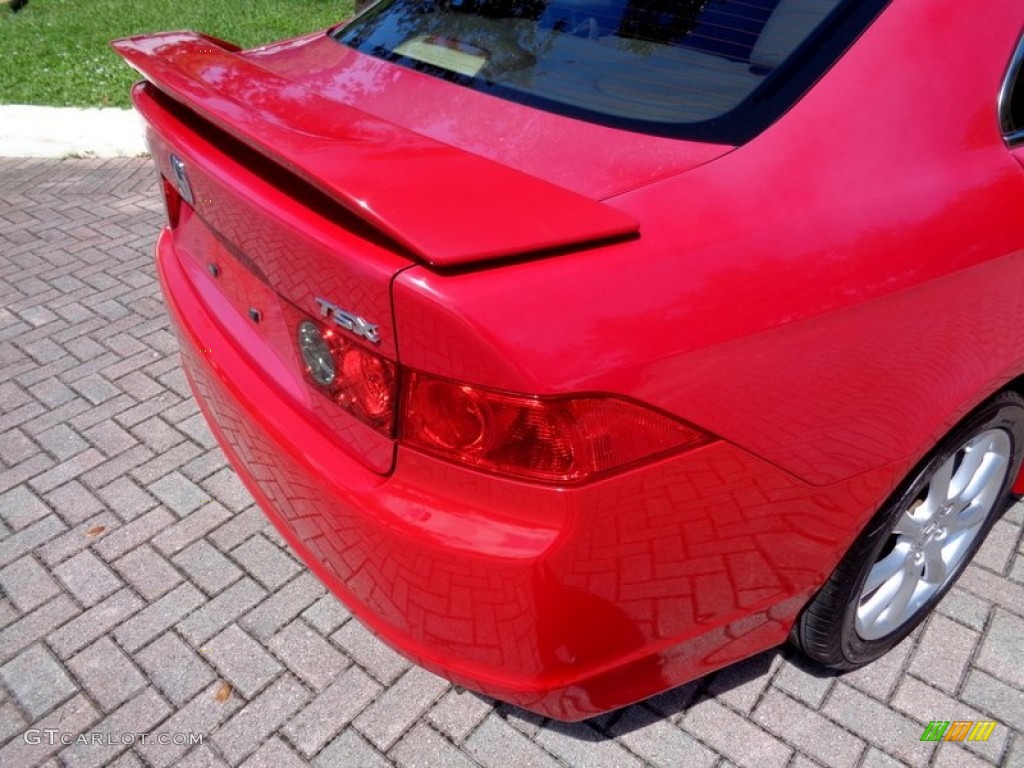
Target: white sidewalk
(27, 131)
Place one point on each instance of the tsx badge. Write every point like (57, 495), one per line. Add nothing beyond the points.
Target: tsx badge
(349, 321)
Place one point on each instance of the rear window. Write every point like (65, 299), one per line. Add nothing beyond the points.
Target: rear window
(718, 70)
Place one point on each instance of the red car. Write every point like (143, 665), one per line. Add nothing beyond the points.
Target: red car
(583, 347)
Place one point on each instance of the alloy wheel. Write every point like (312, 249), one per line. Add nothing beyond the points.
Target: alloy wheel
(934, 533)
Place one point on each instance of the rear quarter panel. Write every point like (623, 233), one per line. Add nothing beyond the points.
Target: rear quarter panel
(832, 296)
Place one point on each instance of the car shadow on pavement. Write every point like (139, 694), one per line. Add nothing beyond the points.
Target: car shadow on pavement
(740, 684)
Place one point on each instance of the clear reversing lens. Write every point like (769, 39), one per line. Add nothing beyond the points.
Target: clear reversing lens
(316, 354)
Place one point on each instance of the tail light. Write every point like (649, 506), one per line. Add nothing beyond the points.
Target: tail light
(361, 382)
(173, 201)
(547, 439)
(562, 440)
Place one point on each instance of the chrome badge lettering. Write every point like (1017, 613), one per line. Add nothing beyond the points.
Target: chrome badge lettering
(348, 321)
(181, 179)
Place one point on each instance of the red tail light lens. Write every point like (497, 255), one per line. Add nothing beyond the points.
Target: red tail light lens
(173, 201)
(563, 440)
(365, 386)
(556, 440)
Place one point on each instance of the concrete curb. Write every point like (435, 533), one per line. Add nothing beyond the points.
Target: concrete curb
(29, 131)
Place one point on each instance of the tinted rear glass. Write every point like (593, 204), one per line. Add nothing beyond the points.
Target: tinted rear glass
(713, 69)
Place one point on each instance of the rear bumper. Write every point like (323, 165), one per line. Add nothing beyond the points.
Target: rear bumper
(565, 602)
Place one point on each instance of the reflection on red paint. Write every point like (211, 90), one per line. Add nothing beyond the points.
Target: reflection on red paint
(825, 302)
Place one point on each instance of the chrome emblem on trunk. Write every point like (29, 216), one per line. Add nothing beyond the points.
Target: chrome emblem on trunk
(181, 179)
(349, 321)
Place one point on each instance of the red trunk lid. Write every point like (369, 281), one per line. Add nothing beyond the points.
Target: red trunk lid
(259, 261)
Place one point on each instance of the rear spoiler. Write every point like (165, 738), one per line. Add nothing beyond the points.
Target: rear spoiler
(447, 206)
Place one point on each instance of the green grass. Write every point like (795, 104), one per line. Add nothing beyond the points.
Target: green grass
(56, 52)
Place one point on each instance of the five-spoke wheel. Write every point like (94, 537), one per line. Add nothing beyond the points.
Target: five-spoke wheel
(915, 547)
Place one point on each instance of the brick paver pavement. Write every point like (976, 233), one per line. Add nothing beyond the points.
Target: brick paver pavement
(144, 593)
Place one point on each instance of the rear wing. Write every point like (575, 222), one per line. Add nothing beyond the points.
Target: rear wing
(448, 207)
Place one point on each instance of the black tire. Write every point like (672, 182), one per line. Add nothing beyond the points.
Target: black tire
(827, 629)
